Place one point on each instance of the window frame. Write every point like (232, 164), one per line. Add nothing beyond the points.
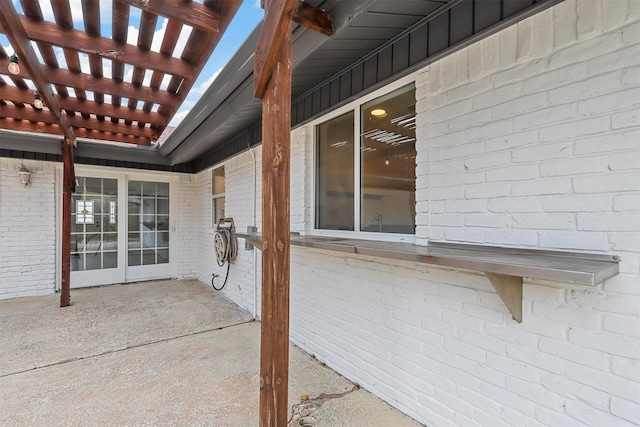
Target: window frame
(216, 196)
(356, 107)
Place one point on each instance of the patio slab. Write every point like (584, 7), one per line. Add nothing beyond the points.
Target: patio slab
(157, 353)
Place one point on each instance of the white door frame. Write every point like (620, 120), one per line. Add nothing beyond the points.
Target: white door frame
(124, 274)
(158, 271)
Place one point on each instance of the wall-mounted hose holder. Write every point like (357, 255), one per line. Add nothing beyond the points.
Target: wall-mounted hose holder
(225, 246)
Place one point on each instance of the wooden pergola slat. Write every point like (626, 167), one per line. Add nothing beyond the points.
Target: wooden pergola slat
(193, 14)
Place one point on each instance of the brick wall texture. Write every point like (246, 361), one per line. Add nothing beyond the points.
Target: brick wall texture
(528, 138)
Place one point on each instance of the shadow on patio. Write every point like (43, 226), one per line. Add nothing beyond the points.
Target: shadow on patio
(155, 353)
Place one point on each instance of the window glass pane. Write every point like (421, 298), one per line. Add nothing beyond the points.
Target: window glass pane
(163, 207)
(163, 240)
(109, 259)
(134, 205)
(335, 173)
(162, 189)
(149, 205)
(110, 241)
(148, 239)
(77, 262)
(163, 256)
(148, 257)
(93, 261)
(218, 209)
(388, 163)
(134, 240)
(218, 181)
(163, 222)
(93, 187)
(135, 188)
(134, 258)
(110, 187)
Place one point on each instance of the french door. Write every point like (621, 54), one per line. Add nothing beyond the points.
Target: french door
(121, 229)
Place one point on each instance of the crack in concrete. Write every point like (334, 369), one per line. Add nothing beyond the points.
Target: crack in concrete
(307, 407)
(129, 347)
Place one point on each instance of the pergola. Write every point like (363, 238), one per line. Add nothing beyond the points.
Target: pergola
(136, 108)
(109, 107)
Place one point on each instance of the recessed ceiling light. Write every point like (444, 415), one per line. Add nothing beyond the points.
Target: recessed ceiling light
(378, 112)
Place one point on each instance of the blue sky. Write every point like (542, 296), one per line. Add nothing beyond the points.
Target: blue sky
(248, 16)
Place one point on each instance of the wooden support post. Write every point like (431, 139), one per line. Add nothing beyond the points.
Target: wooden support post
(272, 83)
(276, 142)
(68, 186)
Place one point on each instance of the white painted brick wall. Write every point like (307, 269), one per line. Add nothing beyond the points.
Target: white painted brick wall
(186, 228)
(535, 143)
(27, 230)
(243, 201)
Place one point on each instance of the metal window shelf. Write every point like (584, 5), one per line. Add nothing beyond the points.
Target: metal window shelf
(505, 267)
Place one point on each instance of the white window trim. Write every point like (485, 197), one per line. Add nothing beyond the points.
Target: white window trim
(355, 107)
(217, 195)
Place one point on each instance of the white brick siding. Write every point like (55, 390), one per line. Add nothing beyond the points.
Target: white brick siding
(243, 191)
(530, 137)
(27, 230)
(187, 226)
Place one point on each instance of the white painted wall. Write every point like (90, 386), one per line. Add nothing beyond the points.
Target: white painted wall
(27, 229)
(529, 138)
(244, 204)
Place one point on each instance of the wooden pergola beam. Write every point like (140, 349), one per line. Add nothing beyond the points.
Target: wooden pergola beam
(18, 38)
(54, 129)
(313, 18)
(272, 35)
(77, 122)
(193, 14)
(19, 95)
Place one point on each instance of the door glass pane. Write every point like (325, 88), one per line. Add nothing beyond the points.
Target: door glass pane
(388, 163)
(148, 226)
(335, 169)
(92, 232)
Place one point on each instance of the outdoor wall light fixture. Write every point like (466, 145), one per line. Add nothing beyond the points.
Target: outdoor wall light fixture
(37, 101)
(378, 112)
(24, 176)
(13, 67)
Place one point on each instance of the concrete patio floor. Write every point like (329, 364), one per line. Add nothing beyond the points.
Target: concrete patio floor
(156, 353)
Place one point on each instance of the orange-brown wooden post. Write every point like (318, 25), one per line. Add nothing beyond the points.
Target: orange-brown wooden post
(276, 142)
(68, 185)
(272, 80)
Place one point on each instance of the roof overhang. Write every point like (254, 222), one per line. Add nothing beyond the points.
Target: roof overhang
(375, 42)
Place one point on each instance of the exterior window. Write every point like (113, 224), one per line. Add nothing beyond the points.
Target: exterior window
(217, 195)
(369, 186)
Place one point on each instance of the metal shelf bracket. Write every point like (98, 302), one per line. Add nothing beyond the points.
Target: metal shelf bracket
(509, 289)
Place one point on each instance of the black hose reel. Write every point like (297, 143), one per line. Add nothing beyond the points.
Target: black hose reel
(225, 246)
